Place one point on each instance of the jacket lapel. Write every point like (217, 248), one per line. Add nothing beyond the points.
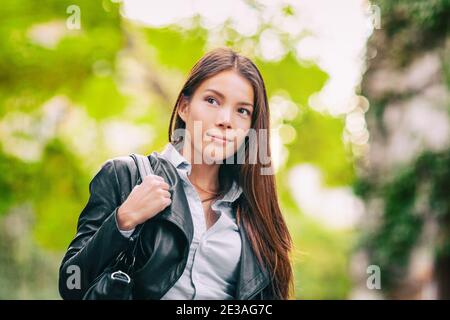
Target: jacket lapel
(178, 211)
(252, 278)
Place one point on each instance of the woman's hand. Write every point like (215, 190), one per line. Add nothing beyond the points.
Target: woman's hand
(144, 202)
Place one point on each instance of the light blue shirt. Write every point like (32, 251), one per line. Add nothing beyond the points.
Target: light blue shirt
(212, 267)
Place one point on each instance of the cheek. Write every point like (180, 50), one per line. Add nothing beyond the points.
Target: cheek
(201, 112)
(195, 116)
(243, 123)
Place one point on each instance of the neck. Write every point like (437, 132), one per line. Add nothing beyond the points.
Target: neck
(204, 175)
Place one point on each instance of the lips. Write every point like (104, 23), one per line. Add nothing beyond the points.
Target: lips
(220, 138)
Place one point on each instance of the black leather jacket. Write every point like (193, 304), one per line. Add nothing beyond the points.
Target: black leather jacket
(164, 241)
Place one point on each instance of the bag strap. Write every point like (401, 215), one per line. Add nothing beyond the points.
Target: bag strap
(143, 165)
(144, 169)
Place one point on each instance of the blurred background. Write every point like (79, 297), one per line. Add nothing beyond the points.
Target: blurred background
(359, 98)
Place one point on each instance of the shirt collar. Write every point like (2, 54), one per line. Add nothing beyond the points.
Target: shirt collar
(173, 155)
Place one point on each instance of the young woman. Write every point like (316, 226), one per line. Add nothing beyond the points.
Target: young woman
(211, 223)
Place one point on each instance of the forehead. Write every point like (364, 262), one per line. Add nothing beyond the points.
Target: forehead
(231, 84)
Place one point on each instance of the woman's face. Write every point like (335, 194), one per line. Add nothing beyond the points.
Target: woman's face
(220, 108)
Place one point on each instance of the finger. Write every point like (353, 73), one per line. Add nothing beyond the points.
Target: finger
(163, 185)
(152, 177)
(166, 194)
(153, 180)
(138, 186)
(158, 177)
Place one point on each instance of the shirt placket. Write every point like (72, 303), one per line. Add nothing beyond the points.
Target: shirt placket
(199, 227)
(201, 235)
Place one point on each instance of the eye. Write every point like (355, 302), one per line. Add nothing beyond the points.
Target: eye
(211, 100)
(245, 110)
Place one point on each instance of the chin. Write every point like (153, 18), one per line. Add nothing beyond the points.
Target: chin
(217, 154)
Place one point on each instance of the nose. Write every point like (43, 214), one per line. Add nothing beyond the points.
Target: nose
(224, 117)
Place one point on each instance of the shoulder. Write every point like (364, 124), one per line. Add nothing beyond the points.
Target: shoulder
(118, 164)
(116, 171)
(110, 168)
(124, 169)
(124, 164)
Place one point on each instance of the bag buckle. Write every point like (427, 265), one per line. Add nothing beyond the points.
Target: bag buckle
(120, 275)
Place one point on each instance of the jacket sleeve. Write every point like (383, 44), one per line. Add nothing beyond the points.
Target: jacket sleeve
(98, 240)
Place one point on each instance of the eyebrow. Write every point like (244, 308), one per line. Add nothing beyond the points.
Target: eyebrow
(223, 97)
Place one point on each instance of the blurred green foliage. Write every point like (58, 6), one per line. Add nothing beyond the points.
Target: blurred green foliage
(416, 25)
(391, 243)
(417, 191)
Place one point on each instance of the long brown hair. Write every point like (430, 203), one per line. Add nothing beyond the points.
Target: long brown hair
(257, 208)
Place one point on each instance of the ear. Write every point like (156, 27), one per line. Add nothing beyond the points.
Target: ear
(183, 109)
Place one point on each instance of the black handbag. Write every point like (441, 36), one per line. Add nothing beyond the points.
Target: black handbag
(116, 282)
